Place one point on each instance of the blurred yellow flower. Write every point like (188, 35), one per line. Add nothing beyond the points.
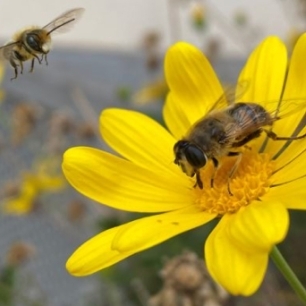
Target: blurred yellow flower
(270, 179)
(33, 184)
(150, 92)
(198, 16)
(2, 71)
(293, 36)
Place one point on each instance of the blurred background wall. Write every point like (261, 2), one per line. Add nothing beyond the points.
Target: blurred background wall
(121, 23)
(113, 57)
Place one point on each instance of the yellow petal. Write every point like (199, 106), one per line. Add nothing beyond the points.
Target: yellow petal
(151, 92)
(264, 72)
(259, 226)
(147, 232)
(139, 138)
(22, 204)
(238, 270)
(194, 86)
(284, 194)
(294, 96)
(176, 117)
(295, 85)
(96, 254)
(29, 187)
(99, 252)
(292, 170)
(123, 185)
(295, 93)
(50, 183)
(293, 152)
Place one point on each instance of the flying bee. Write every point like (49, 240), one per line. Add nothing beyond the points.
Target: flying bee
(34, 42)
(223, 132)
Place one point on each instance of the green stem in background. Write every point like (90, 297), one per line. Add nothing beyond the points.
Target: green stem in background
(290, 276)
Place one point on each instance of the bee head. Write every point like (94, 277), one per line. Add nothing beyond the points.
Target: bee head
(37, 43)
(189, 157)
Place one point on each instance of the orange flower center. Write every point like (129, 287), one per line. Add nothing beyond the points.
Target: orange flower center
(249, 182)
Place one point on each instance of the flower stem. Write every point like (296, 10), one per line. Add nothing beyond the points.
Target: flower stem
(290, 276)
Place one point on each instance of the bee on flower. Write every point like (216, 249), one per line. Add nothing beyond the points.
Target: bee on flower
(269, 179)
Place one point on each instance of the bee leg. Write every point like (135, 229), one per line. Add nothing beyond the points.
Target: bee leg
(247, 139)
(38, 59)
(216, 165)
(233, 153)
(44, 57)
(273, 136)
(199, 181)
(15, 66)
(32, 65)
(21, 67)
(16, 74)
(233, 170)
(36, 56)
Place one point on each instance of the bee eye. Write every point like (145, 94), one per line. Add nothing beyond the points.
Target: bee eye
(195, 156)
(33, 42)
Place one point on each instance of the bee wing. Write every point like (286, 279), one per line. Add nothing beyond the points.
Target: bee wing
(230, 94)
(235, 131)
(284, 108)
(6, 50)
(276, 110)
(64, 22)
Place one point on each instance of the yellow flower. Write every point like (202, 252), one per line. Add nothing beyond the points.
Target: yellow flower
(23, 203)
(33, 184)
(152, 91)
(270, 179)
